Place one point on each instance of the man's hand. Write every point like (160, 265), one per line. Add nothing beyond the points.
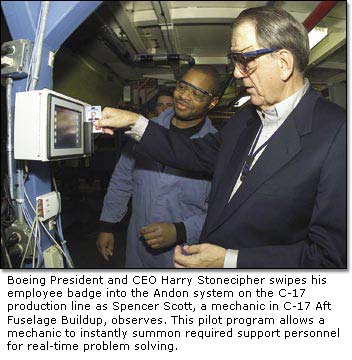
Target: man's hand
(105, 244)
(199, 256)
(115, 118)
(159, 235)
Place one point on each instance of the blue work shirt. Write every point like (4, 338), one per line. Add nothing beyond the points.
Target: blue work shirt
(158, 195)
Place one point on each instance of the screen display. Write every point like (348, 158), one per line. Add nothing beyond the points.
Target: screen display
(67, 128)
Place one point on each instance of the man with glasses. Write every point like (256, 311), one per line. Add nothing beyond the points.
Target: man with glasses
(168, 205)
(278, 197)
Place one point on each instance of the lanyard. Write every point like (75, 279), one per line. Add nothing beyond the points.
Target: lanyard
(252, 154)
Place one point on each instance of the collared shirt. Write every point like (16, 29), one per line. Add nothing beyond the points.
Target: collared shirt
(158, 194)
(271, 119)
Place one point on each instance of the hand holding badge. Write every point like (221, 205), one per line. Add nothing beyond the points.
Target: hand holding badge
(93, 113)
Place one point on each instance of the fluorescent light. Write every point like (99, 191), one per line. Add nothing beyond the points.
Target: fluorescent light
(316, 35)
(241, 101)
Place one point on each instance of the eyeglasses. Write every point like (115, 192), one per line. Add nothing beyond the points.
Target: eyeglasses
(195, 92)
(242, 60)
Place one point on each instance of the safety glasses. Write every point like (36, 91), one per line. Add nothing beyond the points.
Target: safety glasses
(246, 62)
(195, 92)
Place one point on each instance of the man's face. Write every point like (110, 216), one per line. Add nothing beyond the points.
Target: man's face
(186, 106)
(263, 83)
(163, 103)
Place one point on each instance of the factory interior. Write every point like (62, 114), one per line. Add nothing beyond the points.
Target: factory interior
(120, 54)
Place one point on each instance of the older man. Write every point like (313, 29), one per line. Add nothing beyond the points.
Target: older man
(168, 205)
(278, 196)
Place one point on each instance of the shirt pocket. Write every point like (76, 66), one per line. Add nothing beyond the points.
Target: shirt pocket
(194, 192)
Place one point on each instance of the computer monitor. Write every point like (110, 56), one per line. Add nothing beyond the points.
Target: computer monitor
(65, 128)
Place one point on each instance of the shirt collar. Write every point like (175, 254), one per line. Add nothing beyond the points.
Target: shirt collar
(278, 113)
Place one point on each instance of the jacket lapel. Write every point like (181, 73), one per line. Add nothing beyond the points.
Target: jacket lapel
(226, 179)
(283, 146)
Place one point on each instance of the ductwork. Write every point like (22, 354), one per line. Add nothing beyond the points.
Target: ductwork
(140, 60)
(146, 58)
(318, 14)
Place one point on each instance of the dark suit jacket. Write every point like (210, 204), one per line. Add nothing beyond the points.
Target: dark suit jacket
(290, 212)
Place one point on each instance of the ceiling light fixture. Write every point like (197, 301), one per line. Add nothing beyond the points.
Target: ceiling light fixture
(316, 35)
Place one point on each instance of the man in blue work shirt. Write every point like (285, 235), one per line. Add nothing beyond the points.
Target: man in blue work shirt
(164, 101)
(168, 205)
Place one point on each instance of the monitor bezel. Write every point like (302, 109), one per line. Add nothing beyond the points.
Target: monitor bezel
(54, 100)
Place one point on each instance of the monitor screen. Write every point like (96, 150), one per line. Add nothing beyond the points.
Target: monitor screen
(67, 128)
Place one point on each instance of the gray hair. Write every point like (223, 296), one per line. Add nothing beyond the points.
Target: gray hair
(277, 28)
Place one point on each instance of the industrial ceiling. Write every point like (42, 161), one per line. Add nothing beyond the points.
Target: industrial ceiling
(202, 30)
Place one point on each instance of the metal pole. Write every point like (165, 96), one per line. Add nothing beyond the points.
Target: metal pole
(9, 145)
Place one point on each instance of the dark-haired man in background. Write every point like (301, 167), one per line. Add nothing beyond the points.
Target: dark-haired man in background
(278, 197)
(164, 101)
(168, 205)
